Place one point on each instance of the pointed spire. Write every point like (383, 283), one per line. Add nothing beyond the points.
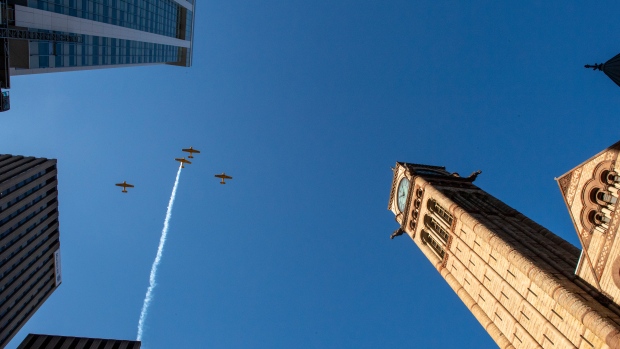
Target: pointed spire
(611, 68)
(596, 66)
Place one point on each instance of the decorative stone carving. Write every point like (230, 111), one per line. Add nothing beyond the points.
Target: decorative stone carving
(564, 182)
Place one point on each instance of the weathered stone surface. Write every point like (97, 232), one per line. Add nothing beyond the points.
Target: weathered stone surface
(515, 276)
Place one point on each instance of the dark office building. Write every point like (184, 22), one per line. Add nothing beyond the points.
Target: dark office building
(29, 239)
(43, 341)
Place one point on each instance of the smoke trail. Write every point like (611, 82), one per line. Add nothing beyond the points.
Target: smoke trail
(160, 251)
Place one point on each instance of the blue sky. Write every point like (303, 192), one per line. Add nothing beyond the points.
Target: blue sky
(307, 104)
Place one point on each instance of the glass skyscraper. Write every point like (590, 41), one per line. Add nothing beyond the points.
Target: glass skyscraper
(42, 36)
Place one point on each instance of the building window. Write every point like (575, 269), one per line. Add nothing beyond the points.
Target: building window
(606, 197)
(598, 218)
(436, 228)
(429, 240)
(441, 212)
(610, 177)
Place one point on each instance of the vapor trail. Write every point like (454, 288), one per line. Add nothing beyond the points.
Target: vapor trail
(160, 251)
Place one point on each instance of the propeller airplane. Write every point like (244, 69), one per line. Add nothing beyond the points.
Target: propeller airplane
(183, 161)
(191, 151)
(223, 177)
(125, 185)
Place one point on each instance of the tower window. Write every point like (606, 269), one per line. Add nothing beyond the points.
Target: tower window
(440, 211)
(435, 246)
(412, 225)
(433, 225)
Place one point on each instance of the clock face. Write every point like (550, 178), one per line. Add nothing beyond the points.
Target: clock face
(403, 190)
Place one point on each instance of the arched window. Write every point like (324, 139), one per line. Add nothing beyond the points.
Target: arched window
(612, 177)
(436, 228)
(591, 215)
(594, 194)
(441, 212)
(597, 218)
(605, 177)
(428, 239)
(606, 196)
(600, 218)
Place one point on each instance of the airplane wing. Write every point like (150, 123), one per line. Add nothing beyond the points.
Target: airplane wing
(119, 184)
(129, 185)
(191, 150)
(227, 177)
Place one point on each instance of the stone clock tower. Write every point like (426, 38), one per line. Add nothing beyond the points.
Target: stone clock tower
(516, 277)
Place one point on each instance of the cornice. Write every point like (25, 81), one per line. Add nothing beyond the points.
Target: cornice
(395, 172)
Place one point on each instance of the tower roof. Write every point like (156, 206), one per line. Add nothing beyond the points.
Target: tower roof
(611, 68)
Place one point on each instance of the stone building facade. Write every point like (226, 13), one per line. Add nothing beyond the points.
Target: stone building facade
(516, 277)
(590, 191)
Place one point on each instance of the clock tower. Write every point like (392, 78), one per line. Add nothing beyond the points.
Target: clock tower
(516, 277)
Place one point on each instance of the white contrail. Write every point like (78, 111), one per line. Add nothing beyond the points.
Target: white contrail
(160, 251)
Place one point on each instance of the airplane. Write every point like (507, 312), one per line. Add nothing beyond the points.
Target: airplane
(125, 185)
(182, 161)
(191, 151)
(223, 177)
